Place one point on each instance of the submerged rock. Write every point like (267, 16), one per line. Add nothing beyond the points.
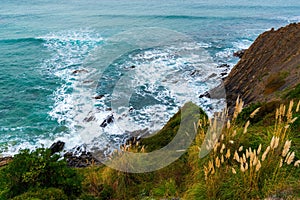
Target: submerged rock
(79, 71)
(89, 119)
(100, 96)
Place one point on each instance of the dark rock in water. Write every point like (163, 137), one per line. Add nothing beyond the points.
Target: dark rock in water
(107, 121)
(223, 74)
(239, 53)
(5, 160)
(88, 81)
(89, 119)
(195, 73)
(206, 94)
(223, 66)
(212, 75)
(57, 147)
(131, 109)
(79, 71)
(99, 96)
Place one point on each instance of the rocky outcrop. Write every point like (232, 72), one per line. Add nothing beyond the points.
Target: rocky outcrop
(57, 147)
(239, 53)
(85, 159)
(5, 160)
(271, 64)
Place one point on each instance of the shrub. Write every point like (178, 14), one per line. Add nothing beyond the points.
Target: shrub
(40, 169)
(41, 194)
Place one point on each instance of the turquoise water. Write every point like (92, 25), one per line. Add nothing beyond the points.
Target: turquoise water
(43, 42)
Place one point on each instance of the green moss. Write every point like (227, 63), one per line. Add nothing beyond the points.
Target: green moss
(192, 113)
(275, 81)
(293, 93)
(42, 194)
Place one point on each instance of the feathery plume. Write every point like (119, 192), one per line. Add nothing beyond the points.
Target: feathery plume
(254, 112)
(281, 162)
(222, 148)
(236, 156)
(258, 166)
(289, 113)
(265, 153)
(233, 170)
(234, 133)
(272, 142)
(241, 148)
(298, 106)
(259, 149)
(242, 168)
(228, 124)
(246, 126)
(276, 142)
(293, 120)
(290, 158)
(218, 164)
(227, 154)
(286, 147)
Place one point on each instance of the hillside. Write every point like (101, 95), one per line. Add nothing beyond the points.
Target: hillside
(270, 66)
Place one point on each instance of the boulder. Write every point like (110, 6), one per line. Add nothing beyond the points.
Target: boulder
(223, 66)
(85, 159)
(100, 96)
(205, 94)
(57, 147)
(239, 53)
(107, 121)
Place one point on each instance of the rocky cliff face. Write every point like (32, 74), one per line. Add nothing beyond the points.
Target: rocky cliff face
(271, 64)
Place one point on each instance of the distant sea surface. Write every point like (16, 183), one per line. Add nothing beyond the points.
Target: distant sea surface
(55, 56)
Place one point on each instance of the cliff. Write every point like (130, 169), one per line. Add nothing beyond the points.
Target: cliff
(271, 65)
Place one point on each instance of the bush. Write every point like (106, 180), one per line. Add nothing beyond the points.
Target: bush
(41, 194)
(40, 169)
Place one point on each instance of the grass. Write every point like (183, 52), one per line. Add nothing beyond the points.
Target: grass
(255, 157)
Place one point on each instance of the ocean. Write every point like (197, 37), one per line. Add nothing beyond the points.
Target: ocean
(67, 67)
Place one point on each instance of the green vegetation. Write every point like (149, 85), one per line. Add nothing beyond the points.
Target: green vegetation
(275, 81)
(35, 171)
(255, 157)
(294, 93)
(49, 193)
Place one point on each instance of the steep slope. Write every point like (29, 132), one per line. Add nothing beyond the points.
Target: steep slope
(270, 65)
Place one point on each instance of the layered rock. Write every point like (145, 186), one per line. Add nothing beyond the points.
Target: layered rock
(271, 64)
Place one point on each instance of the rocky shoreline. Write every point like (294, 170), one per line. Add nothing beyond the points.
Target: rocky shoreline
(260, 64)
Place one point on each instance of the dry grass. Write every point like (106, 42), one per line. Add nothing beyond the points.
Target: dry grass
(255, 171)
